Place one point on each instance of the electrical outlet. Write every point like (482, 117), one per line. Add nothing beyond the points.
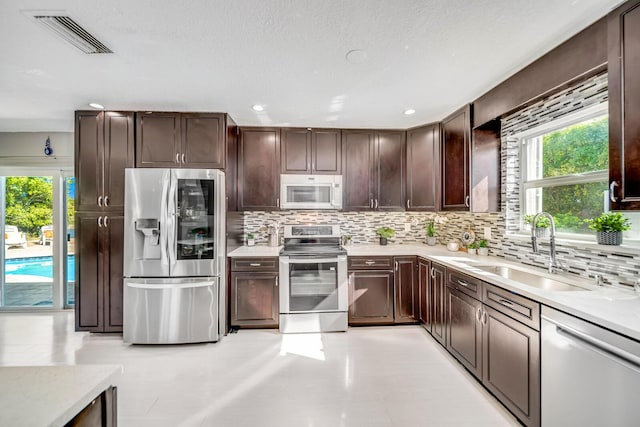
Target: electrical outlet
(487, 233)
(407, 226)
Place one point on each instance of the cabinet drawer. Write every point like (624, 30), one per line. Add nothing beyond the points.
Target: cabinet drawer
(254, 264)
(370, 263)
(515, 306)
(466, 284)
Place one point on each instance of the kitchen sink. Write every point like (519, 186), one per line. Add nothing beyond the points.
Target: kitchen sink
(530, 279)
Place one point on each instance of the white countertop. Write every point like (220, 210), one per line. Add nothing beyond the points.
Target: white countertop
(611, 307)
(258, 250)
(50, 395)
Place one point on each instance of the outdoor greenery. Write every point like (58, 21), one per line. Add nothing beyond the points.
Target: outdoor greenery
(576, 149)
(609, 222)
(29, 203)
(542, 222)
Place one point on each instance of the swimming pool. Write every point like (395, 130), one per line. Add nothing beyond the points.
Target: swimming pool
(38, 266)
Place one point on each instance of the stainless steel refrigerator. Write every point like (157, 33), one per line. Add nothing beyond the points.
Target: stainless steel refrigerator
(174, 260)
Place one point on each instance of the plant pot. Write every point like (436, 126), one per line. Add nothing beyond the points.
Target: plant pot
(383, 241)
(542, 232)
(431, 240)
(251, 242)
(483, 251)
(471, 251)
(609, 237)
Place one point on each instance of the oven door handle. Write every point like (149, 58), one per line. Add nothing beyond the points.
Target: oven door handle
(314, 259)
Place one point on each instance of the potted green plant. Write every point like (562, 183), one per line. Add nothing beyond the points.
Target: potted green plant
(472, 248)
(542, 225)
(430, 228)
(251, 239)
(346, 240)
(385, 233)
(482, 247)
(609, 227)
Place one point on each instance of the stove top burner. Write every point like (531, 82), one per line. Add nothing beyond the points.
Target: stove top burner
(312, 250)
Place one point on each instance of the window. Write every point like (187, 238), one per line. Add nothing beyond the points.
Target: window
(565, 170)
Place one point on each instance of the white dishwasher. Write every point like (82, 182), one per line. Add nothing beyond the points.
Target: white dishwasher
(590, 376)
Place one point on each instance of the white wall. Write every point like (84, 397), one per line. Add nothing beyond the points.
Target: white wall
(25, 149)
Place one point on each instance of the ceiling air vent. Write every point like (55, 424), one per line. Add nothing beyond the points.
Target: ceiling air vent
(71, 32)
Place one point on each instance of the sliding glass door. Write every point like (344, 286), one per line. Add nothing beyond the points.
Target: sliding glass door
(37, 259)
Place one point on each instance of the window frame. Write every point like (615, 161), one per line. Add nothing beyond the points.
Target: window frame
(563, 122)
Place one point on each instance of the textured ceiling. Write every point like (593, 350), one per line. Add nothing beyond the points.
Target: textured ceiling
(289, 55)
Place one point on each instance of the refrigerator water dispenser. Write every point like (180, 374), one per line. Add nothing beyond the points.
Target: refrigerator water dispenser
(150, 228)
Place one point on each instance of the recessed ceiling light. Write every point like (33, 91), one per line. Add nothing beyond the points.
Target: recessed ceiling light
(409, 111)
(356, 56)
(96, 106)
(257, 107)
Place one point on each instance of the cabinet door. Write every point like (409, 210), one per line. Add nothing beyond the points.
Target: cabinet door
(254, 299)
(437, 303)
(358, 154)
(464, 330)
(624, 106)
(295, 151)
(113, 241)
(259, 169)
(456, 131)
(202, 140)
(425, 292)
(407, 307)
(326, 151)
(118, 155)
(390, 171)
(89, 160)
(370, 297)
(423, 168)
(485, 168)
(158, 140)
(89, 271)
(511, 365)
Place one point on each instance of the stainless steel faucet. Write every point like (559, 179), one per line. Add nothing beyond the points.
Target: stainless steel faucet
(554, 265)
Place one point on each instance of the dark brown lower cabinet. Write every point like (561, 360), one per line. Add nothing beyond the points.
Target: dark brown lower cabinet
(371, 297)
(254, 299)
(511, 364)
(425, 292)
(437, 305)
(464, 330)
(407, 298)
(99, 260)
(102, 411)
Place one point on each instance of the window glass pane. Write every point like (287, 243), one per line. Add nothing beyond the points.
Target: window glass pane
(71, 243)
(570, 205)
(583, 147)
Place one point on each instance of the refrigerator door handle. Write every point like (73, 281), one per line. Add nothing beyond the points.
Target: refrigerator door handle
(164, 228)
(171, 212)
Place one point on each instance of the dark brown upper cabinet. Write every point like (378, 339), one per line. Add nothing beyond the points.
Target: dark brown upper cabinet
(181, 140)
(423, 168)
(624, 106)
(258, 168)
(485, 168)
(456, 144)
(104, 146)
(374, 166)
(311, 151)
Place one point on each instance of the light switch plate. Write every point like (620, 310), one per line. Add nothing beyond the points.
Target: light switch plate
(487, 233)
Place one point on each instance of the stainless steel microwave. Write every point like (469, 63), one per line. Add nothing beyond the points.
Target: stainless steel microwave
(311, 191)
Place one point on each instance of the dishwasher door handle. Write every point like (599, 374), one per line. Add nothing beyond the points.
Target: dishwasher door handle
(623, 357)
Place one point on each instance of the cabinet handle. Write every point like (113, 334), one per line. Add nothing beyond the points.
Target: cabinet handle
(484, 317)
(612, 191)
(106, 201)
(100, 221)
(433, 273)
(369, 262)
(100, 201)
(276, 281)
(183, 158)
(278, 202)
(178, 158)
(465, 284)
(309, 165)
(408, 204)
(255, 264)
(466, 201)
(505, 302)
(479, 314)
(376, 203)
(371, 203)
(396, 265)
(106, 221)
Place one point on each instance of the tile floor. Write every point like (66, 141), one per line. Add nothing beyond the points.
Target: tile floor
(375, 376)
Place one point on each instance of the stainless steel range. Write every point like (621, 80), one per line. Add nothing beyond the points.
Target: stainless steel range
(313, 280)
